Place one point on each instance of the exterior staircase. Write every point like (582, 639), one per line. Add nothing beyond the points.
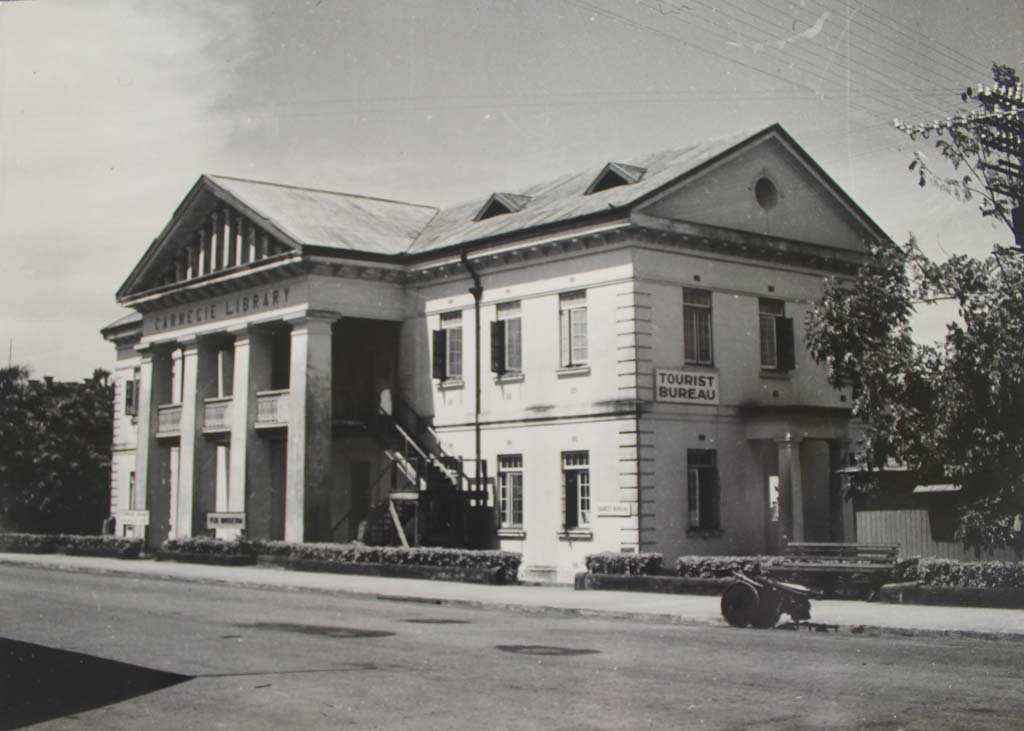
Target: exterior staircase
(430, 500)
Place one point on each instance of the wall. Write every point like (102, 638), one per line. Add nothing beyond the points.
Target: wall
(724, 196)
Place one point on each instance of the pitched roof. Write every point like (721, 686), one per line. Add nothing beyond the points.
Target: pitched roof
(563, 199)
(332, 220)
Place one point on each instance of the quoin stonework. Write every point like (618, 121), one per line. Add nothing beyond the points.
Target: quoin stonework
(303, 364)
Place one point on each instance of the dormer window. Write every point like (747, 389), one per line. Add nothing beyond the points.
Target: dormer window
(615, 174)
(501, 203)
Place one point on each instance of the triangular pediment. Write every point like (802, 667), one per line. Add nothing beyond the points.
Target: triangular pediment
(501, 203)
(211, 235)
(771, 187)
(615, 174)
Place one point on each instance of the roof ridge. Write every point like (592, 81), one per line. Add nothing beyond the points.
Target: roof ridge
(319, 190)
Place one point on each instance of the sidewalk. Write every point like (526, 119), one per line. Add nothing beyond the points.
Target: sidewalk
(852, 617)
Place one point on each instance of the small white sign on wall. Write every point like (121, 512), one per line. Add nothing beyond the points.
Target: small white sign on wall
(225, 520)
(685, 386)
(133, 517)
(614, 510)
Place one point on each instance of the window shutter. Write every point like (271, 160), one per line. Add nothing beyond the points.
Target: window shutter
(440, 354)
(499, 363)
(785, 343)
(570, 518)
(129, 397)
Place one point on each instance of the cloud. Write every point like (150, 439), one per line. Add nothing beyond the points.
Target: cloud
(107, 112)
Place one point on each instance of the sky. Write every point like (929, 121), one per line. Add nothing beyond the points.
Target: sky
(110, 110)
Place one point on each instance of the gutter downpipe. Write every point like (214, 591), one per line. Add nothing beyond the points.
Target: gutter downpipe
(477, 291)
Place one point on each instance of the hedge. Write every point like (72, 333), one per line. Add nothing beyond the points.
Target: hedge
(624, 564)
(71, 544)
(208, 546)
(961, 574)
(715, 567)
(393, 555)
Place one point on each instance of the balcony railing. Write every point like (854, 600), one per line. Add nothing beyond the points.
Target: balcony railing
(168, 420)
(217, 415)
(272, 408)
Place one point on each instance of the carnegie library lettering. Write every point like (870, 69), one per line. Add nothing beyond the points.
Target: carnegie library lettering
(227, 307)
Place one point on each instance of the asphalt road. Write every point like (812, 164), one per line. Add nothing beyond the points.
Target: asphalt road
(212, 657)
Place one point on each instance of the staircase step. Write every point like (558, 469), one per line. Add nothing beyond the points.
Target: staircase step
(404, 495)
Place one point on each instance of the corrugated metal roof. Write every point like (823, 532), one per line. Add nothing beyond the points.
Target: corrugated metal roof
(132, 318)
(333, 220)
(563, 199)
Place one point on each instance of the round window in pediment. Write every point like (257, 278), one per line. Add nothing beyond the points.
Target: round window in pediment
(766, 193)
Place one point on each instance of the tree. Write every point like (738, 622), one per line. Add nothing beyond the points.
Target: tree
(55, 440)
(953, 409)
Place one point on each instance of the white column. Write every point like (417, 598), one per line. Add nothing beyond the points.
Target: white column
(309, 426)
(791, 485)
(191, 429)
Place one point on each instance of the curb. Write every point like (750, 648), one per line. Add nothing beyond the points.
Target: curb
(853, 630)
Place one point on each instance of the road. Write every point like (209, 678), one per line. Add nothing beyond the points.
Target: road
(218, 657)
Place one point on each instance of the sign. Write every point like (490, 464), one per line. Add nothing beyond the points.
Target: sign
(225, 520)
(225, 307)
(686, 387)
(614, 510)
(133, 517)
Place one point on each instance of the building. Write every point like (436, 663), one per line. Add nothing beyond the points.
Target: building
(642, 380)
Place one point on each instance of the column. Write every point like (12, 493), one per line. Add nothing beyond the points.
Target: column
(250, 488)
(151, 487)
(197, 465)
(791, 488)
(309, 427)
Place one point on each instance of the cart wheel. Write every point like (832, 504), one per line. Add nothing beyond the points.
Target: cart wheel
(739, 605)
(769, 609)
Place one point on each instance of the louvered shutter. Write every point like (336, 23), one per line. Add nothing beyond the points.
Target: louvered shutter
(785, 343)
(498, 360)
(440, 354)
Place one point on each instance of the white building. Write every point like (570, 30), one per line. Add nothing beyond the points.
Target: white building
(643, 383)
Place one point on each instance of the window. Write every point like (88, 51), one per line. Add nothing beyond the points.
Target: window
(701, 489)
(507, 339)
(576, 489)
(776, 336)
(132, 497)
(697, 327)
(510, 485)
(225, 372)
(448, 347)
(131, 394)
(573, 318)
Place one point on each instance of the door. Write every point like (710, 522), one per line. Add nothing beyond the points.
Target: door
(358, 496)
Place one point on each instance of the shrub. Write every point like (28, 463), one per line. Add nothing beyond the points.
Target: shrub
(100, 546)
(966, 574)
(627, 564)
(394, 555)
(211, 546)
(27, 543)
(714, 567)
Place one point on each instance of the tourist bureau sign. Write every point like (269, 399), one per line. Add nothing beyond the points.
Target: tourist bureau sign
(686, 387)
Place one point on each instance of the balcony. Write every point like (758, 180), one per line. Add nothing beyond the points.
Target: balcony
(272, 409)
(217, 415)
(168, 420)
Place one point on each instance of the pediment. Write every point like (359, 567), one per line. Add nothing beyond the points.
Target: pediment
(772, 188)
(210, 235)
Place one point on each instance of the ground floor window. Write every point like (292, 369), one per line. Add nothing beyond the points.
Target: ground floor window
(576, 489)
(702, 489)
(510, 485)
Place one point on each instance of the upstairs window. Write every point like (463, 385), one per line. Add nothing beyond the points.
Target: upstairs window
(575, 490)
(573, 326)
(507, 339)
(697, 344)
(776, 333)
(448, 347)
(702, 489)
(131, 394)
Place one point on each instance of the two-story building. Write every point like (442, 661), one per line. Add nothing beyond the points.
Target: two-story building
(610, 360)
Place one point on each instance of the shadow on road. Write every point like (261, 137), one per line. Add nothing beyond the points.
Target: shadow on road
(39, 683)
